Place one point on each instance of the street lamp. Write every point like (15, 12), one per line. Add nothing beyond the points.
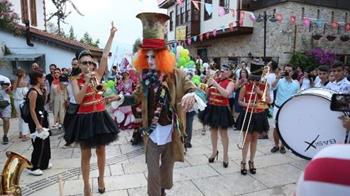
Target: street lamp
(264, 18)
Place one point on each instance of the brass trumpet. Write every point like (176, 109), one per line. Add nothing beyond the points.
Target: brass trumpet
(11, 174)
(99, 88)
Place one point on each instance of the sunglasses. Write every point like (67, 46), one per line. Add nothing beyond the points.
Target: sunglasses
(87, 63)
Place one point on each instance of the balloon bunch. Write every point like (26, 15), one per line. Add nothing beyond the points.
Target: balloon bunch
(110, 88)
(183, 58)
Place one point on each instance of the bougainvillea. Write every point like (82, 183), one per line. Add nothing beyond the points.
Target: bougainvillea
(323, 57)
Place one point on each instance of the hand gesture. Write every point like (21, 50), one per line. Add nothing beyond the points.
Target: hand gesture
(188, 102)
(212, 82)
(113, 29)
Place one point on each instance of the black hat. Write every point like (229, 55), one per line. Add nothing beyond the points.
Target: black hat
(225, 66)
(63, 78)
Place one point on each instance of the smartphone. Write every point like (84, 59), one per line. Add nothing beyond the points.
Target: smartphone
(340, 102)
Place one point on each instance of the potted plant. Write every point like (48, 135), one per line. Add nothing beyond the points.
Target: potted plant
(316, 36)
(331, 37)
(344, 38)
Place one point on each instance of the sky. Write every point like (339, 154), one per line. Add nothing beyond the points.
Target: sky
(98, 15)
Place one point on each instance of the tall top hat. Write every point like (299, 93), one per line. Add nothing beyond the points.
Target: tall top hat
(153, 29)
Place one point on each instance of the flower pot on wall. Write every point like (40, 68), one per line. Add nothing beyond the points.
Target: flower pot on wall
(344, 38)
(331, 37)
(316, 36)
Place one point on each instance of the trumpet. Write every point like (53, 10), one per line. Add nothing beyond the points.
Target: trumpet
(99, 88)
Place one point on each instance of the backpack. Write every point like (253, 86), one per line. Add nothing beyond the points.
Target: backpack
(24, 108)
(3, 103)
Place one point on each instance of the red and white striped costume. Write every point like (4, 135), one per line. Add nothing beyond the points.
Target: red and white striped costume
(327, 174)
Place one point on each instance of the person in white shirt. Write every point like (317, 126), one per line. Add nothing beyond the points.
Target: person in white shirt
(5, 109)
(341, 83)
(323, 74)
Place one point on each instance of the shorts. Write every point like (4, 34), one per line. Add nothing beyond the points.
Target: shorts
(274, 115)
(6, 112)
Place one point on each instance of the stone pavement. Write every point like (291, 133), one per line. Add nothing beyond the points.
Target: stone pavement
(126, 173)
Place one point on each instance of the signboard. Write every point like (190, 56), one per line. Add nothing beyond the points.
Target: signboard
(180, 34)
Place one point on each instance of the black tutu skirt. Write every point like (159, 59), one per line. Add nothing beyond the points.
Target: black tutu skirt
(259, 122)
(71, 112)
(91, 129)
(216, 116)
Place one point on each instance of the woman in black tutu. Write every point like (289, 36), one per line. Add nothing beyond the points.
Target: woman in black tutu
(217, 113)
(92, 126)
(258, 122)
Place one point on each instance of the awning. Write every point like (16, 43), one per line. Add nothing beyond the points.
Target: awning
(20, 57)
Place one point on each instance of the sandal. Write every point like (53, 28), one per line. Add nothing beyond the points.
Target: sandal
(252, 169)
(243, 169)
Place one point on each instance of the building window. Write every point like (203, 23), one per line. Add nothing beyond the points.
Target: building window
(33, 17)
(188, 10)
(182, 15)
(177, 22)
(24, 10)
(225, 4)
(171, 23)
(207, 16)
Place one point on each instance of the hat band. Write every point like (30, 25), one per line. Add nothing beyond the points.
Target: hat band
(153, 43)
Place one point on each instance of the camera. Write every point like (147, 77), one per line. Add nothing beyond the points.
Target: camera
(340, 102)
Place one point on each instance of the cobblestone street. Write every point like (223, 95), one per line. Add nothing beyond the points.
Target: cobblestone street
(126, 173)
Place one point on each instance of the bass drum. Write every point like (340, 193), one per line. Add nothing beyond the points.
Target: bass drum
(306, 124)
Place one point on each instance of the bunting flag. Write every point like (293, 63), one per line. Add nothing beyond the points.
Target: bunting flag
(231, 25)
(196, 4)
(214, 32)
(241, 20)
(209, 8)
(180, 2)
(233, 11)
(207, 35)
(252, 17)
(223, 28)
(195, 38)
(201, 37)
(189, 41)
(347, 27)
(293, 20)
(221, 11)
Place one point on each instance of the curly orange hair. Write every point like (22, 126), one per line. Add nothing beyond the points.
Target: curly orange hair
(165, 61)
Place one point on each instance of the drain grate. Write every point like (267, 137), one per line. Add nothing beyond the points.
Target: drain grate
(51, 180)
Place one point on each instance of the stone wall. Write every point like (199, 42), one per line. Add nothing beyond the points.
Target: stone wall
(280, 36)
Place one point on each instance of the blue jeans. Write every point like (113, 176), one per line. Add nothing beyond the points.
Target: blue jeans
(189, 125)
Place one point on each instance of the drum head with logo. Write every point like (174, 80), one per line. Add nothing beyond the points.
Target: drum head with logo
(306, 124)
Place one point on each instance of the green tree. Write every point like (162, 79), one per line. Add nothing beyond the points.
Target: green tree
(136, 45)
(71, 34)
(8, 18)
(87, 39)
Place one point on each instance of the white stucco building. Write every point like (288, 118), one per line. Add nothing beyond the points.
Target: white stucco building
(33, 43)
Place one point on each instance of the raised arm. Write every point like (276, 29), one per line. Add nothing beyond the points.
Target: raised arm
(104, 60)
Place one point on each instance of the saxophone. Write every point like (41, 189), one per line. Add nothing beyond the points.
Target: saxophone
(9, 183)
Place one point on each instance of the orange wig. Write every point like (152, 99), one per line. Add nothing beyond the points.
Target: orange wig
(165, 61)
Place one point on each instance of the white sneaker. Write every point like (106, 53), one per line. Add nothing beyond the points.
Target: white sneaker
(36, 172)
(49, 166)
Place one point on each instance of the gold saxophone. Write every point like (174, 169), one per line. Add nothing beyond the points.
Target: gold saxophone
(11, 174)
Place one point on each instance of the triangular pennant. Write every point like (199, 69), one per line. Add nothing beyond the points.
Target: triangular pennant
(196, 4)
(194, 38)
(189, 41)
(180, 2)
(221, 10)
(209, 8)
(214, 32)
(241, 20)
(223, 28)
(201, 37)
(230, 25)
(207, 35)
(233, 11)
(252, 17)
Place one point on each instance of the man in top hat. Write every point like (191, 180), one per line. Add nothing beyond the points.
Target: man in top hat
(165, 94)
